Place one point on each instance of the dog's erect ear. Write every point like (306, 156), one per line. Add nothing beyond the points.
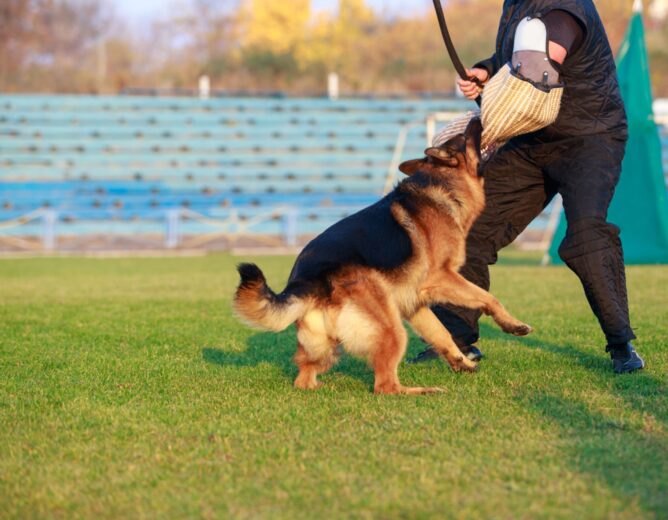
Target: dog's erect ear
(413, 166)
(443, 156)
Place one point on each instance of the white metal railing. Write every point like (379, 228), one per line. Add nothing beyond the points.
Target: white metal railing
(47, 240)
(231, 227)
(393, 168)
(179, 231)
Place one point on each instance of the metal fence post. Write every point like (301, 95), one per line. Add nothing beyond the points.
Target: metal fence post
(333, 86)
(431, 129)
(290, 226)
(204, 87)
(172, 232)
(50, 217)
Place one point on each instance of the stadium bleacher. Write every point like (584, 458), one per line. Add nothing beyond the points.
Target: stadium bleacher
(96, 160)
(121, 164)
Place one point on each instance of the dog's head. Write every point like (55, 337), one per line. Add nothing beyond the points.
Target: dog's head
(461, 153)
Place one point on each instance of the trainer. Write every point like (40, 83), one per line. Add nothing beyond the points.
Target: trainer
(578, 156)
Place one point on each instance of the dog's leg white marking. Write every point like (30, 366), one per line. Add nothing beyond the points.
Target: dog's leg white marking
(427, 325)
(313, 335)
(316, 349)
(357, 330)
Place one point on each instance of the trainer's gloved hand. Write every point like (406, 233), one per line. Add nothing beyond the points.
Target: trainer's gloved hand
(470, 89)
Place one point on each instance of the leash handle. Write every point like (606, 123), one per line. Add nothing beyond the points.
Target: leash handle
(452, 52)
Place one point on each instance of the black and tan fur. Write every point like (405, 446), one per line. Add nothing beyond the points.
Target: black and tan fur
(355, 283)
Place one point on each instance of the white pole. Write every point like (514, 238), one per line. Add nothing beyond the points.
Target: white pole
(333, 86)
(172, 234)
(658, 10)
(431, 129)
(50, 218)
(204, 87)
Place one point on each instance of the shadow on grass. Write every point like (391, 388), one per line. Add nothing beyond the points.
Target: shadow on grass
(631, 460)
(278, 349)
(641, 391)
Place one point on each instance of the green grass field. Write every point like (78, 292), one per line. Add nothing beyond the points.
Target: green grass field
(128, 390)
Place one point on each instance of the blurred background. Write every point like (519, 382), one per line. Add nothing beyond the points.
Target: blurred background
(376, 47)
(201, 124)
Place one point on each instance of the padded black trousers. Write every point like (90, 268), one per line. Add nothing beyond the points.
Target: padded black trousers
(520, 180)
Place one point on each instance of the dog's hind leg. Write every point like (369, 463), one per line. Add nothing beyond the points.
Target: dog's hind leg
(316, 351)
(310, 369)
(427, 325)
(455, 289)
(376, 330)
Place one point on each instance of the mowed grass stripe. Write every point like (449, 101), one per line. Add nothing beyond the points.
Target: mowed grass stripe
(128, 389)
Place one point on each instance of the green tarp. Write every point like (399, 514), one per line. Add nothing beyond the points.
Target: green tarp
(639, 207)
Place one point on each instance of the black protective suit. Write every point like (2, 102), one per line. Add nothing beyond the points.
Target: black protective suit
(579, 156)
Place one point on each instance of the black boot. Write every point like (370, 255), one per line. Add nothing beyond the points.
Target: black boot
(424, 356)
(470, 351)
(625, 359)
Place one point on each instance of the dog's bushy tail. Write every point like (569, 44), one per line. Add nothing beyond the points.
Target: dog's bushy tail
(257, 305)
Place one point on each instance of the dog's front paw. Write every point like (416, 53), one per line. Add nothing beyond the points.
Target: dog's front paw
(516, 328)
(461, 363)
(522, 330)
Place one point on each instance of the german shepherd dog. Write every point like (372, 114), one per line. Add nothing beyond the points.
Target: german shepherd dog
(355, 283)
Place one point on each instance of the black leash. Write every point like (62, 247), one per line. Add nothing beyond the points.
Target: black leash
(459, 66)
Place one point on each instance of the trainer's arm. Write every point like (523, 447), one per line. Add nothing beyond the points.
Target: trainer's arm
(565, 34)
(483, 70)
(490, 65)
(470, 89)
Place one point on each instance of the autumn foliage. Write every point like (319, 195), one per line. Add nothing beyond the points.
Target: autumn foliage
(259, 46)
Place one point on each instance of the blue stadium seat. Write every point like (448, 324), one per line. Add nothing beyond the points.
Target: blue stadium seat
(126, 159)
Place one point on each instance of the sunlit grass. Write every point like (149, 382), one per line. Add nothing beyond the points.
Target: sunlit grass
(129, 390)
